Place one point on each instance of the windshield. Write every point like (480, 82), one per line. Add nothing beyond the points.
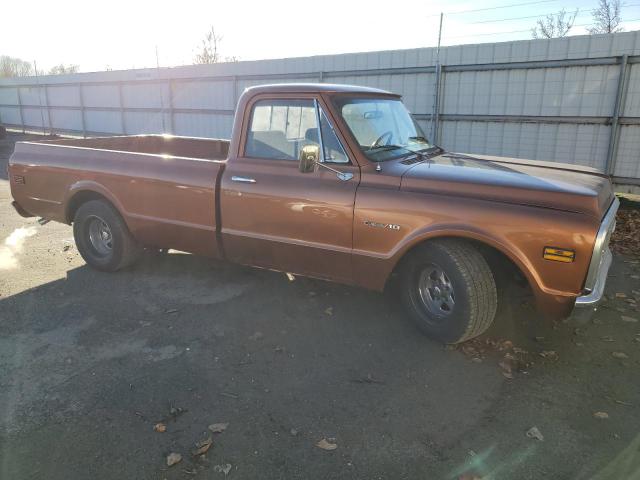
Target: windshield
(383, 127)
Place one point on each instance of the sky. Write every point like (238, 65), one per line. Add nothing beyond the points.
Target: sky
(125, 34)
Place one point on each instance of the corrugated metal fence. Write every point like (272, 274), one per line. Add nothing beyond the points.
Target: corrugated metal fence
(575, 99)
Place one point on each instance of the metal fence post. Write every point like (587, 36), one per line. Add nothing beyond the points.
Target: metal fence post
(82, 112)
(171, 119)
(46, 102)
(614, 136)
(235, 91)
(20, 108)
(123, 123)
(321, 76)
(435, 114)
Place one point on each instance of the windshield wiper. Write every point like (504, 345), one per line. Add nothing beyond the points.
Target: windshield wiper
(387, 147)
(431, 150)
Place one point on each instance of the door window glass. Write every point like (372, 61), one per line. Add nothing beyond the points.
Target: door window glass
(333, 151)
(280, 128)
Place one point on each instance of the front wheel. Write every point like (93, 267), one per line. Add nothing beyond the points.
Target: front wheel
(102, 237)
(448, 289)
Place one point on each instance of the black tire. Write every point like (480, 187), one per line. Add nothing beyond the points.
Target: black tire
(119, 249)
(461, 306)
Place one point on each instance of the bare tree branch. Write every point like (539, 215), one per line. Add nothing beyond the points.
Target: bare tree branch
(208, 52)
(14, 67)
(554, 25)
(63, 69)
(606, 18)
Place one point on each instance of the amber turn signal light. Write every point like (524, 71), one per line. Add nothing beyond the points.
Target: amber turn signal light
(559, 254)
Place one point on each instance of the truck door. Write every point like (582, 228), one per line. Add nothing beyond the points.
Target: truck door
(275, 216)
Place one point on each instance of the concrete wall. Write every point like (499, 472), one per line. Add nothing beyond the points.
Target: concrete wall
(575, 99)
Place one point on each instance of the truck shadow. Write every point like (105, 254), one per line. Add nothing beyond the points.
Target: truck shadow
(96, 359)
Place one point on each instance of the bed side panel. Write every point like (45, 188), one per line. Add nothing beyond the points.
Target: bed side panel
(167, 202)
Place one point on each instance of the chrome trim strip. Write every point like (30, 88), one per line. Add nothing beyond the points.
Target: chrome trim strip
(286, 240)
(592, 298)
(54, 202)
(243, 179)
(316, 107)
(601, 245)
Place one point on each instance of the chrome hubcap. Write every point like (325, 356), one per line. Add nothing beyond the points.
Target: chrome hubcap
(436, 290)
(100, 236)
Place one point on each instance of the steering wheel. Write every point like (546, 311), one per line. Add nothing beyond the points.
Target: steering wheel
(386, 135)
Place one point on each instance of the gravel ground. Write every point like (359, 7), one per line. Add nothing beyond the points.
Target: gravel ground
(90, 362)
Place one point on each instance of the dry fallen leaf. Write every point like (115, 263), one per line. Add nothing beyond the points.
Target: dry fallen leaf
(326, 445)
(218, 427)
(627, 319)
(508, 364)
(626, 237)
(506, 345)
(620, 355)
(328, 311)
(202, 447)
(173, 458)
(601, 415)
(533, 432)
(226, 468)
(550, 354)
(621, 295)
(160, 427)
(469, 350)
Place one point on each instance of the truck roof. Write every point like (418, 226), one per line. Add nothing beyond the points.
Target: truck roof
(316, 87)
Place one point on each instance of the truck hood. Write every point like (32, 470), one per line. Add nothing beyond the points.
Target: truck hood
(511, 180)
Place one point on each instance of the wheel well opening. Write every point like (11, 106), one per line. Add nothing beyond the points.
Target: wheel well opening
(81, 198)
(504, 270)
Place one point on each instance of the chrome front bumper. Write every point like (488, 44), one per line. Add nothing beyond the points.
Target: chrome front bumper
(600, 260)
(591, 299)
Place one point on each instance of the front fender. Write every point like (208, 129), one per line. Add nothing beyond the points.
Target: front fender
(511, 251)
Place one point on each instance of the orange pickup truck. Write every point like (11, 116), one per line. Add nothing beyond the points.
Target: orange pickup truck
(335, 182)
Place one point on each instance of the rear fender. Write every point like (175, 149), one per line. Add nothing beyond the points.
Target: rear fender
(83, 186)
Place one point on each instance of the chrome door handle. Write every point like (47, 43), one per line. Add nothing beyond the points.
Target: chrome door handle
(243, 179)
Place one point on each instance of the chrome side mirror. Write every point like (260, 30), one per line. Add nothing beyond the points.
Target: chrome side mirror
(309, 156)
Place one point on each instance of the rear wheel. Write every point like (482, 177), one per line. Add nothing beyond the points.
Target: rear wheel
(102, 237)
(448, 289)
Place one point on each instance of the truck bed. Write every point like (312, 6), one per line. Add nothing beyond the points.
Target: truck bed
(164, 186)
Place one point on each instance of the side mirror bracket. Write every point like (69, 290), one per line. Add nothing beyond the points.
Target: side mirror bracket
(309, 158)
